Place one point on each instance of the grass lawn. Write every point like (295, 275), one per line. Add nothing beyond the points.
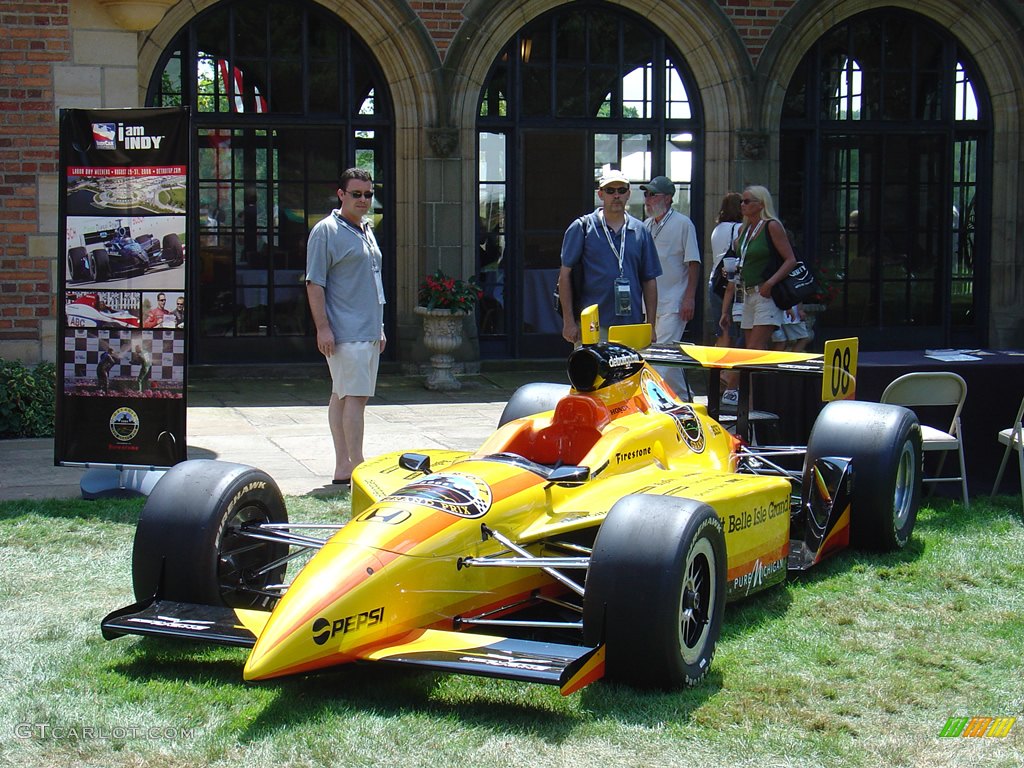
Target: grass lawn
(859, 663)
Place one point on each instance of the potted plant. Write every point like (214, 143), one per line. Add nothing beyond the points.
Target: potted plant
(439, 291)
(443, 302)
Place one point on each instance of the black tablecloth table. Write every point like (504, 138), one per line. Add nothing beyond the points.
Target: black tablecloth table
(995, 385)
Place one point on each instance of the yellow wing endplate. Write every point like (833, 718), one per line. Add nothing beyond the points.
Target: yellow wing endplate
(839, 379)
(590, 325)
(634, 336)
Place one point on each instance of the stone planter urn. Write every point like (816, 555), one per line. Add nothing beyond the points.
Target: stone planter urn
(442, 335)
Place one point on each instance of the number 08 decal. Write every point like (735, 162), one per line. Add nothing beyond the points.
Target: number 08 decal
(840, 379)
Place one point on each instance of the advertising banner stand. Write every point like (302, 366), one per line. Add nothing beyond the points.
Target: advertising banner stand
(100, 483)
(121, 340)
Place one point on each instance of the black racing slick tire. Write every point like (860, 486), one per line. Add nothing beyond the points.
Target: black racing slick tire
(80, 267)
(655, 591)
(102, 261)
(883, 443)
(188, 542)
(532, 399)
(173, 253)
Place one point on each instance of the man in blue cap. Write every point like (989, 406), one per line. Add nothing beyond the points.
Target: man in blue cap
(676, 240)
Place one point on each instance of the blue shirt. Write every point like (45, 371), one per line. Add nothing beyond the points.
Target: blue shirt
(347, 265)
(585, 240)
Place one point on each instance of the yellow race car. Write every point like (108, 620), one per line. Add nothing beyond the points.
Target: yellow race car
(599, 532)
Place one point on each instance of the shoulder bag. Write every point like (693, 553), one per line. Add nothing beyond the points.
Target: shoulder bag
(795, 288)
(720, 282)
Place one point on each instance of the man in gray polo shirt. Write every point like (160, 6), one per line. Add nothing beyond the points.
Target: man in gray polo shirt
(346, 299)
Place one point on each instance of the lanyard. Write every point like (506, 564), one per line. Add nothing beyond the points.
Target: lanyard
(375, 256)
(359, 231)
(660, 224)
(621, 252)
(747, 237)
(366, 235)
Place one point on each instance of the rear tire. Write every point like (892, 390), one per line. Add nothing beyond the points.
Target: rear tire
(884, 444)
(189, 532)
(173, 253)
(655, 591)
(531, 399)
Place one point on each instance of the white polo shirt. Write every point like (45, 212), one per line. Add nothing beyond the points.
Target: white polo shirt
(676, 240)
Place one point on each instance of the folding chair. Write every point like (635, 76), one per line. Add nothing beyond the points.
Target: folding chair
(927, 389)
(1013, 439)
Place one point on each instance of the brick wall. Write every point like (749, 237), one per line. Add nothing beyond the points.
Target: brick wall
(755, 20)
(35, 37)
(442, 18)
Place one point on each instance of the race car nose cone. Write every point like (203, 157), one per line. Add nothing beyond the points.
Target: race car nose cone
(333, 607)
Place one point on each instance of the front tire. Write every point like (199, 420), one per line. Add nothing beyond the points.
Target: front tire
(80, 266)
(102, 261)
(655, 591)
(188, 542)
(884, 445)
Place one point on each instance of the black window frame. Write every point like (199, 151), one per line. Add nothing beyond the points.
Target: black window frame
(348, 123)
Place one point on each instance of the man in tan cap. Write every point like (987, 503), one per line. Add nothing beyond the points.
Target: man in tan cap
(619, 261)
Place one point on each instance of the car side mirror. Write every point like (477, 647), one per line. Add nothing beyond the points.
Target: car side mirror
(568, 475)
(415, 462)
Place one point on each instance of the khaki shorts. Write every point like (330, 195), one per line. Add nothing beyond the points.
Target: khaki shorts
(792, 332)
(757, 310)
(354, 368)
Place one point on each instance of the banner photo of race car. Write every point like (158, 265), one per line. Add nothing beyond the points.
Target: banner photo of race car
(102, 309)
(125, 309)
(122, 343)
(128, 252)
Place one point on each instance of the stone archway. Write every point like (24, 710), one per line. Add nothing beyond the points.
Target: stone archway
(408, 59)
(703, 34)
(989, 32)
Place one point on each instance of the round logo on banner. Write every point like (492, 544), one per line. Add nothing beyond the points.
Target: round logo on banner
(124, 424)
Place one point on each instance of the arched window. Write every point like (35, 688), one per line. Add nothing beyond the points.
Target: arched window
(885, 164)
(580, 89)
(284, 97)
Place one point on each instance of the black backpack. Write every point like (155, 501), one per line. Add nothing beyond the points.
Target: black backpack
(576, 277)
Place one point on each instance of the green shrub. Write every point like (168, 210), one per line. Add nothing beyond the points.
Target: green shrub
(27, 398)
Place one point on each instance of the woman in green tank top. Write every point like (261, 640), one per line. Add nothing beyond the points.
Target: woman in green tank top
(760, 315)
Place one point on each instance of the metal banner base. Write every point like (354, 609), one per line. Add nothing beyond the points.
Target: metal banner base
(100, 483)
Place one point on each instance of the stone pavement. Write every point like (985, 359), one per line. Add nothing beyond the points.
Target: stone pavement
(280, 426)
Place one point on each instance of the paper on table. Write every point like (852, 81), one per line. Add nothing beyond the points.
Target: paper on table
(951, 355)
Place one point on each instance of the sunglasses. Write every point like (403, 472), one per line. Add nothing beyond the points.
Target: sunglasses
(616, 190)
(746, 201)
(358, 195)
(648, 193)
